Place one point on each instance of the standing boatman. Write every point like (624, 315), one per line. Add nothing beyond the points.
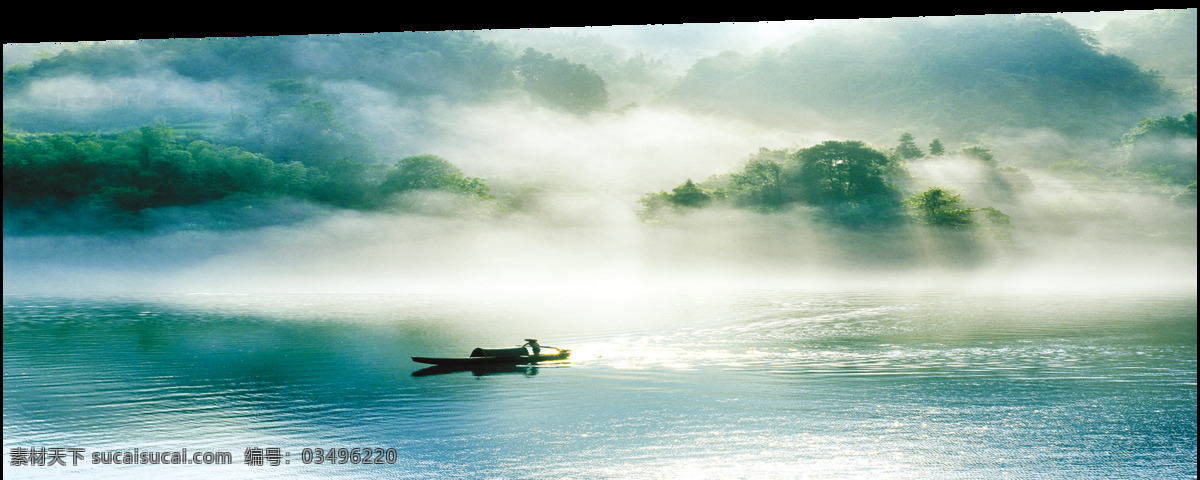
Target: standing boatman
(533, 345)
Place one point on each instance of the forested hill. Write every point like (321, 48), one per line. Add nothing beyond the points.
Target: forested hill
(959, 78)
(1162, 41)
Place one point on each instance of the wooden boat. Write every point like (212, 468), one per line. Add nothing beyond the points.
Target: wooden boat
(522, 355)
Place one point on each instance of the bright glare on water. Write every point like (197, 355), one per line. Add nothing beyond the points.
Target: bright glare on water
(763, 385)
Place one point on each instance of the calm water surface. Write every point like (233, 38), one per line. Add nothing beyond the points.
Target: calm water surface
(753, 385)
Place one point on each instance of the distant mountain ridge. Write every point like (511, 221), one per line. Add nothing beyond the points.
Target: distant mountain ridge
(959, 78)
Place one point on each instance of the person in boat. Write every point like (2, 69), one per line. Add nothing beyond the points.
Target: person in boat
(533, 345)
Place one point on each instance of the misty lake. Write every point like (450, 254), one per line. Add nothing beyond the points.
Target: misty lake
(766, 384)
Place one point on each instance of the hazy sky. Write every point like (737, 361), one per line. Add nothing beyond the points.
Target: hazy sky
(689, 42)
(681, 42)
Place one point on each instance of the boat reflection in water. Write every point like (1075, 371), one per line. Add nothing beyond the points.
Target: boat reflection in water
(478, 371)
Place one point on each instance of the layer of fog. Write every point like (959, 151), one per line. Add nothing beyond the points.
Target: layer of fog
(84, 93)
(632, 151)
(566, 223)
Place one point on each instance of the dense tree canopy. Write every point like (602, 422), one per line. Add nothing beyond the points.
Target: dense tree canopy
(760, 184)
(569, 86)
(155, 167)
(850, 182)
(837, 172)
(145, 168)
(843, 183)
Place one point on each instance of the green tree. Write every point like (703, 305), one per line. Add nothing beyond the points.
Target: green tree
(430, 172)
(908, 148)
(686, 196)
(941, 208)
(936, 148)
(978, 152)
(841, 171)
(759, 184)
(689, 195)
(1163, 127)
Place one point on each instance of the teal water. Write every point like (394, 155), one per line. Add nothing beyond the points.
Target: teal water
(772, 384)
